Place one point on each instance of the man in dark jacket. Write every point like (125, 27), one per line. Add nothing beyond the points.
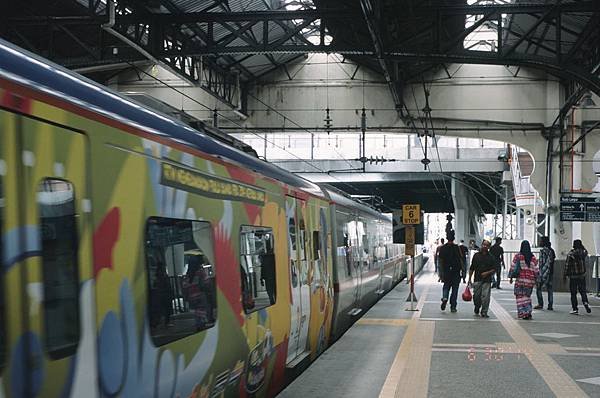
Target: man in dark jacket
(483, 266)
(497, 253)
(436, 256)
(451, 271)
(575, 270)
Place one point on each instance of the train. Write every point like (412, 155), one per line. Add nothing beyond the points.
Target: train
(142, 258)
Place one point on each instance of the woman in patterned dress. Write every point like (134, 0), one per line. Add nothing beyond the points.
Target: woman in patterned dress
(526, 279)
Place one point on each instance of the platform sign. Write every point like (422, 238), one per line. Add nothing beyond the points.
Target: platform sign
(410, 238)
(586, 209)
(411, 214)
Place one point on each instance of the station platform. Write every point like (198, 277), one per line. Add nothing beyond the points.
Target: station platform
(391, 352)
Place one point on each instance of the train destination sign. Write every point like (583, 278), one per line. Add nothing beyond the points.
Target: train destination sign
(209, 185)
(586, 209)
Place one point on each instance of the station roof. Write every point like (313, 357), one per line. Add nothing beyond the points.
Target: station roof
(246, 39)
(71, 33)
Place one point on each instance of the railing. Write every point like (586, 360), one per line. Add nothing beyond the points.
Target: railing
(521, 184)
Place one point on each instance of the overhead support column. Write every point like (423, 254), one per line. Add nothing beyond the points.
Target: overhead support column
(390, 71)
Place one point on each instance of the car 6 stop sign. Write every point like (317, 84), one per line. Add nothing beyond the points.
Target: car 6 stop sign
(411, 214)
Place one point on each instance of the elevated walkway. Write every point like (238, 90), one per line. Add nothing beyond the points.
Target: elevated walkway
(391, 352)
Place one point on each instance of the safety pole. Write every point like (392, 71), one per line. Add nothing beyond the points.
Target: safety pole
(412, 283)
(411, 295)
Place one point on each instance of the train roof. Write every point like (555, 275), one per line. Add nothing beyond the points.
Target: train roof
(40, 74)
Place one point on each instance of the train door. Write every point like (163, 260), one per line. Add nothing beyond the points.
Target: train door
(300, 289)
(50, 243)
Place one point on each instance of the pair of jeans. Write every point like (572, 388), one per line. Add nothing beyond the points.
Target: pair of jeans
(540, 297)
(575, 285)
(482, 292)
(452, 281)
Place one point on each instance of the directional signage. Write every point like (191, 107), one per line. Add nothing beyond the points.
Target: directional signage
(574, 208)
(411, 214)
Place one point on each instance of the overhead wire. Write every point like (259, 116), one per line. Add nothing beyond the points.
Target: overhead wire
(418, 135)
(427, 92)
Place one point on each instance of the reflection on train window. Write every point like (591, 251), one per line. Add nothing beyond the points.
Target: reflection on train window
(58, 229)
(182, 294)
(2, 267)
(257, 268)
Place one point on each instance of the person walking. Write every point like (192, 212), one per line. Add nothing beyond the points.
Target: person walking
(464, 250)
(436, 256)
(497, 253)
(525, 270)
(546, 264)
(451, 270)
(575, 270)
(483, 265)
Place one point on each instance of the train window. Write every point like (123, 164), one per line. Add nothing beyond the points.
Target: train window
(59, 238)
(2, 309)
(257, 267)
(182, 293)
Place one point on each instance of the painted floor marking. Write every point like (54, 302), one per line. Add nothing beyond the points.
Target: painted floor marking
(594, 349)
(591, 380)
(555, 335)
(561, 384)
(385, 322)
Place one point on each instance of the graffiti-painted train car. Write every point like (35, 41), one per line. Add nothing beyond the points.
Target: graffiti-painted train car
(141, 258)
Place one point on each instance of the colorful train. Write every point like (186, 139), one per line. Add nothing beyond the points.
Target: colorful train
(141, 258)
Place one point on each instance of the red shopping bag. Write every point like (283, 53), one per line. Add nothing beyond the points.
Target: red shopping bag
(467, 296)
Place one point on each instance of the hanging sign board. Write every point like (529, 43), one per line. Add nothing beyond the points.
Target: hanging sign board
(586, 209)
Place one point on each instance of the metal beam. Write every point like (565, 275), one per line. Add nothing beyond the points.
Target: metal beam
(342, 13)
(531, 29)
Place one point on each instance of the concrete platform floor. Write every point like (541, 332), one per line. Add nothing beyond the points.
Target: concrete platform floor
(391, 352)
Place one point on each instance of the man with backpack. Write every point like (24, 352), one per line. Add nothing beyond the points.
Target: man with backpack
(451, 270)
(575, 270)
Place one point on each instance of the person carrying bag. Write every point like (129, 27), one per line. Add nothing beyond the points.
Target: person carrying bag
(483, 265)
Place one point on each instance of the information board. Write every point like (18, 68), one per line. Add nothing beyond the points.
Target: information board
(586, 209)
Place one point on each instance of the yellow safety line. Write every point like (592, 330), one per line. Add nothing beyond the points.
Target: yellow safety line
(406, 352)
(561, 384)
(382, 321)
(416, 375)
